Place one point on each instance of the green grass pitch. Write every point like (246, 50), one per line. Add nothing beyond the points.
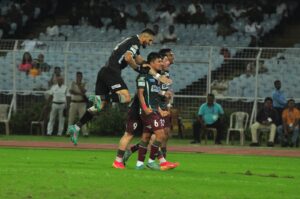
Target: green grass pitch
(58, 173)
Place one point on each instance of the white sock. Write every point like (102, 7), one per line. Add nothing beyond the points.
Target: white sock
(139, 163)
(77, 127)
(150, 160)
(118, 159)
(162, 159)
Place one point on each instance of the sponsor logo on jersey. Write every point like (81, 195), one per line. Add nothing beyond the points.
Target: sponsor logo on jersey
(155, 88)
(152, 80)
(164, 86)
(116, 86)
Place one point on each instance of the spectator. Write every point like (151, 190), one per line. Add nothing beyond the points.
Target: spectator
(224, 21)
(281, 9)
(34, 71)
(279, 99)
(183, 16)
(141, 16)
(74, 17)
(158, 35)
(163, 6)
(266, 119)
(169, 16)
(199, 16)
(237, 12)
(78, 101)
(288, 132)
(31, 44)
(26, 64)
(119, 19)
(57, 99)
(170, 37)
(192, 8)
(255, 30)
(55, 75)
(209, 116)
(225, 52)
(52, 30)
(41, 64)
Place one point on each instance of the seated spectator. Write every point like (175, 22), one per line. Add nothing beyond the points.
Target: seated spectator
(119, 19)
(288, 132)
(183, 16)
(55, 75)
(266, 119)
(40, 64)
(141, 16)
(169, 16)
(34, 71)
(255, 30)
(158, 35)
(224, 21)
(199, 16)
(225, 52)
(26, 64)
(192, 8)
(74, 17)
(209, 116)
(237, 11)
(170, 37)
(52, 30)
(163, 6)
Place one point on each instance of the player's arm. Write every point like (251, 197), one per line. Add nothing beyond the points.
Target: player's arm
(142, 101)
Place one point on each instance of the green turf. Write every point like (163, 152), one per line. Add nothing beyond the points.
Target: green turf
(41, 173)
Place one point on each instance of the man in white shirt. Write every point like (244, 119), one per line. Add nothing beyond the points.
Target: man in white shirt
(58, 99)
(169, 16)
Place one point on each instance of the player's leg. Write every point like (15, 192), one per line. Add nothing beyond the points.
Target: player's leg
(142, 151)
(101, 91)
(124, 141)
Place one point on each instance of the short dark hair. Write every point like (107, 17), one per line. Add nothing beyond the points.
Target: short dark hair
(78, 73)
(153, 56)
(148, 31)
(291, 100)
(268, 99)
(277, 81)
(210, 95)
(163, 52)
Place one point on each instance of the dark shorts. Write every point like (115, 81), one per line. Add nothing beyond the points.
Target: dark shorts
(167, 121)
(109, 81)
(152, 122)
(134, 123)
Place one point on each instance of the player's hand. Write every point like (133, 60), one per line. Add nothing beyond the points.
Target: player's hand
(163, 113)
(148, 111)
(165, 80)
(146, 65)
(168, 94)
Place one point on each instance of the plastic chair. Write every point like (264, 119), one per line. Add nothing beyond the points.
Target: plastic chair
(238, 123)
(4, 117)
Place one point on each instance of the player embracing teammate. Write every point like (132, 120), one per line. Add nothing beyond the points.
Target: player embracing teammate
(149, 112)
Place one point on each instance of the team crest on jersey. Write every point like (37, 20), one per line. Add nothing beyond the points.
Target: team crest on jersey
(155, 88)
(164, 86)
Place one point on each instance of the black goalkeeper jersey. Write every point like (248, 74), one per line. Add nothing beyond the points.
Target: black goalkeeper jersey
(116, 61)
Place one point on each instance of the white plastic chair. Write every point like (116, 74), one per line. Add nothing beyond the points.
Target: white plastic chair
(238, 123)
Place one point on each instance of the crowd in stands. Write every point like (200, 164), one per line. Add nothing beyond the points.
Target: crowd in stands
(18, 16)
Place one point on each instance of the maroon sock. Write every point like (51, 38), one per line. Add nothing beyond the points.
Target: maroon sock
(164, 151)
(154, 149)
(142, 151)
(134, 148)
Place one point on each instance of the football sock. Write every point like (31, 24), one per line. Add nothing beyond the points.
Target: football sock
(120, 155)
(160, 157)
(154, 149)
(164, 151)
(84, 119)
(134, 148)
(142, 151)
